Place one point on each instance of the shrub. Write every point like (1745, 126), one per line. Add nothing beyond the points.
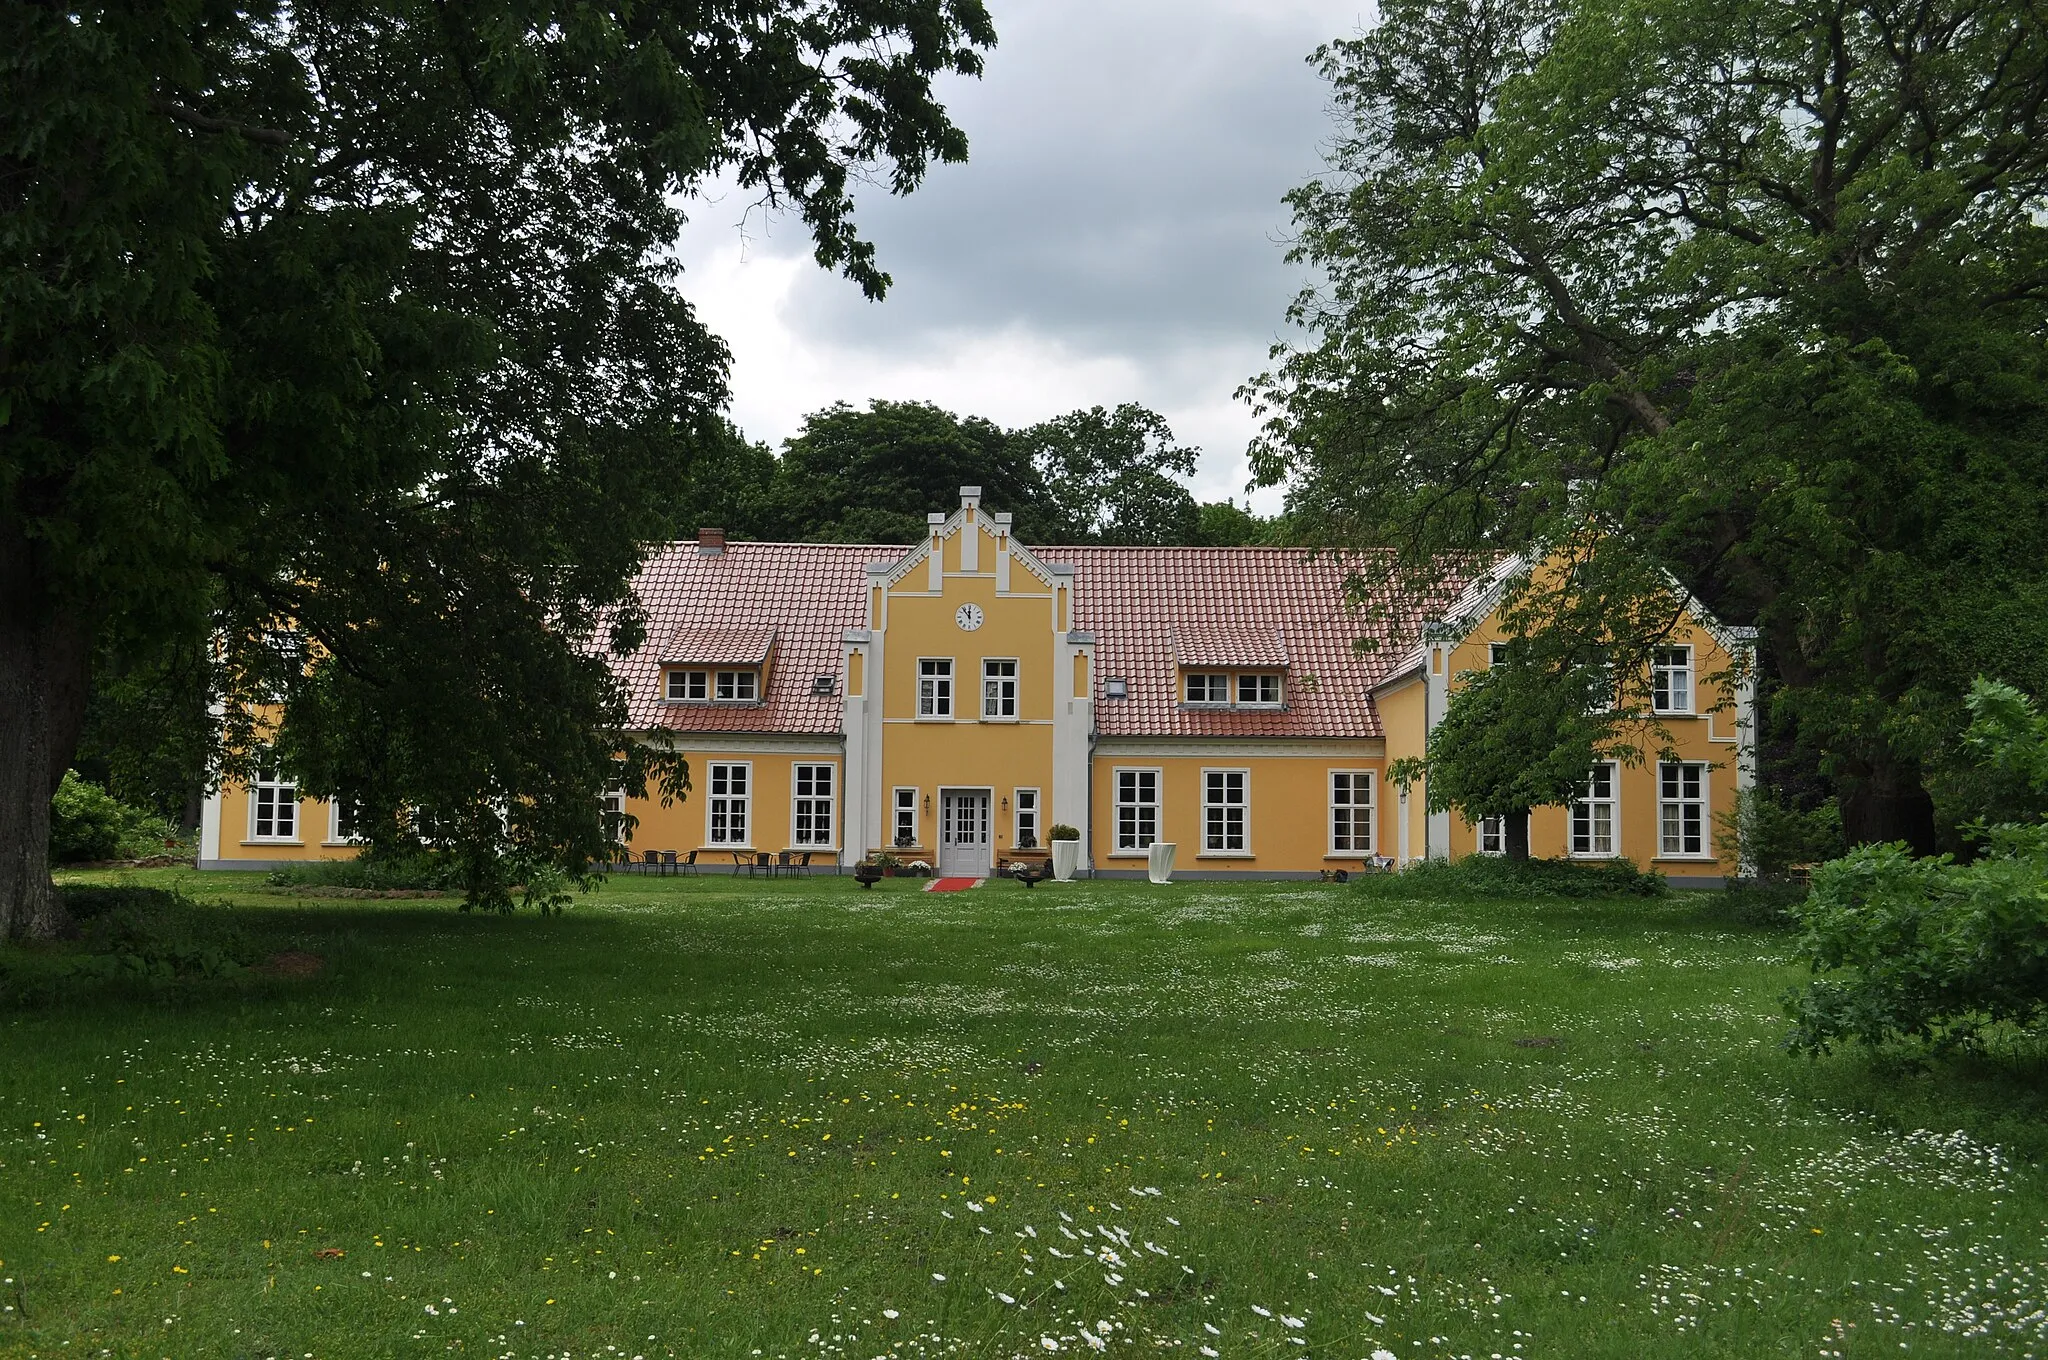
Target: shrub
(1774, 836)
(1060, 831)
(378, 871)
(1495, 876)
(88, 823)
(1925, 949)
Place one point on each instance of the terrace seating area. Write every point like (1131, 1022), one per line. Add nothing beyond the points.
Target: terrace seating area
(752, 863)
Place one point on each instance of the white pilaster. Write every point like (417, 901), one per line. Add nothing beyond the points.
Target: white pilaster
(1436, 834)
(856, 781)
(935, 560)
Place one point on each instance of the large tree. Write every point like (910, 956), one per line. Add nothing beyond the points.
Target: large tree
(1755, 291)
(348, 335)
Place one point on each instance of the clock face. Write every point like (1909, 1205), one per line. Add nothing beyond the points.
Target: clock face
(968, 616)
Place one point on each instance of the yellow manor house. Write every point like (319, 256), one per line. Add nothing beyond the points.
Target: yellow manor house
(953, 702)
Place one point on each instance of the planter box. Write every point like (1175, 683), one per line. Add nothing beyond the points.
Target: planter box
(1066, 857)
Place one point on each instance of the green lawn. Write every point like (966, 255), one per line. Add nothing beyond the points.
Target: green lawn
(722, 1118)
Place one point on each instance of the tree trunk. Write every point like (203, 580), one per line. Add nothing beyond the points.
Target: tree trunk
(45, 657)
(1885, 800)
(1515, 827)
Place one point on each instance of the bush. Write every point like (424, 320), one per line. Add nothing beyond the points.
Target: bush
(88, 823)
(1495, 876)
(378, 871)
(1928, 949)
(1756, 902)
(1774, 836)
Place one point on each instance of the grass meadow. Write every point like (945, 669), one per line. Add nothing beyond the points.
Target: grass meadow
(715, 1117)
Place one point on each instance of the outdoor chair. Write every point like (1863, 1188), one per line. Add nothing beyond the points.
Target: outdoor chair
(650, 861)
(668, 861)
(803, 863)
(687, 862)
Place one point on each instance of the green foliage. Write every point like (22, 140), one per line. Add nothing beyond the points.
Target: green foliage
(1925, 949)
(1521, 734)
(1111, 477)
(132, 937)
(1752, 292)
(353, 338)
(1060, 831)
(379, 869)
(1494, 876)
(1772, 835)
(88, 823)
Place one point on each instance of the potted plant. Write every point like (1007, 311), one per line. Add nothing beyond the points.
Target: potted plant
(1066, 851)
(1027, 841)
(886, 862)
(917, 868)
(904, 842)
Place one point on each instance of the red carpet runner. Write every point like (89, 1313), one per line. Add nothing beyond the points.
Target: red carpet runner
(950, 884)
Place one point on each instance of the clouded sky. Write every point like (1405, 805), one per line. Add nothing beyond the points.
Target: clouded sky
(1116, 235)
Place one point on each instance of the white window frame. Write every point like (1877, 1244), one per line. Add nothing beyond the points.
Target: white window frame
(1666, 665)
(688, 687)
(1005, 689)
(268, 787)
(1213, 843)
(717, 805)
(1211, 681)
(935, 688)
(1672, 805)
(1019, 814)
(736, 687)
(335, 834)
(1259, 681)
(1496, 654)
(1349, 810)
(1131, 845)
(824, 805)
(1586, 810)
(902, 806)
(611, 810)
(1495, 829)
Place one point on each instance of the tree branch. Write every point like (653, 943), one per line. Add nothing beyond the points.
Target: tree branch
(193, 118)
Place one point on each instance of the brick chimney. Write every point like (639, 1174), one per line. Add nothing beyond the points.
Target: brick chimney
(711, 543)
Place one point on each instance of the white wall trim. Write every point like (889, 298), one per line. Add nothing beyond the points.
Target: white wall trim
(1240, 748)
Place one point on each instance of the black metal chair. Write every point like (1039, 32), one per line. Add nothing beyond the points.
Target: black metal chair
(688, 863)
(651, 860)
(668, 861)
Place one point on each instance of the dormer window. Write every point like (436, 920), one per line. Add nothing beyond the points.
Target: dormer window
(706, 686)
(1258, 691)
(685, 686)
(1207, 688)
(737, 687)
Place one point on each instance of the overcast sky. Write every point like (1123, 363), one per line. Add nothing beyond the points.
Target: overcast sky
(1116, 235)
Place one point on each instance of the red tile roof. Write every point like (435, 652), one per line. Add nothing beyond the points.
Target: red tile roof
(1227, 645)
(1138, 600)
(806, 594)
(701, 644)
(1250, 607)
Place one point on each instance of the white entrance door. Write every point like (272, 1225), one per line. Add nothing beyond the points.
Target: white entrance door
(963, 833)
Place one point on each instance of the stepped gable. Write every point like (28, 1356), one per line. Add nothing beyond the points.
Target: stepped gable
(804, 595)
(1272, 606)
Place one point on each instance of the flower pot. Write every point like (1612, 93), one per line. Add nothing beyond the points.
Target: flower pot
(1159, 861)
(1066, 857)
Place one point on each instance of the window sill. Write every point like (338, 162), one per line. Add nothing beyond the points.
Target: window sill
(1368, 854)
(934, 718)
(1686, 859)
(1010, 721)
(273, 840)
(1129, 854)
(1226, 854)
(1673, 713)
(341, 845)
(1589, 854)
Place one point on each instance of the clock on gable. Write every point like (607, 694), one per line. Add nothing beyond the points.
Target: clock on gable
(968, 616)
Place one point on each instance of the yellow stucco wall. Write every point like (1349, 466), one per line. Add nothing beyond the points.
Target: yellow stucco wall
(1403, 718)
(1288, 815)
(312, 843)
(1709, 734)
(685, 824)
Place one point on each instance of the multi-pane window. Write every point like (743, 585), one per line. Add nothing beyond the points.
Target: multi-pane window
(273, 807)
(344, 821)
(998, 689)
(905, 831)
(811, 817)
(737, 686)
(1351, 812)
(686, 685)
(1027, 819)
(1593, 815)
(1208, 689)
(1137, 809)
(1681, 808)
(612, 815)
(1493, 834)
(1224, 798)
(1261, 690)
(935, 687)
(1671, 680)
(1496, 654)
(731, 804)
